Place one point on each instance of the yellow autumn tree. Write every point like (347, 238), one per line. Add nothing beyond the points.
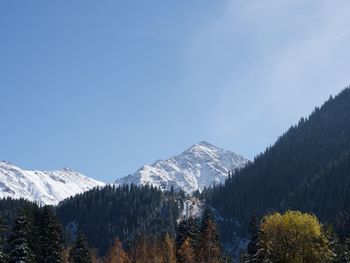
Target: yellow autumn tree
(186, 252)
(146, 250)
(293, 237)
(209, 249)
(168, 249)
(94, 256)
(117, 254)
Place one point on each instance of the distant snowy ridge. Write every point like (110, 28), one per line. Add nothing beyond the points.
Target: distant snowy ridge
(43, 187)
(201, 165)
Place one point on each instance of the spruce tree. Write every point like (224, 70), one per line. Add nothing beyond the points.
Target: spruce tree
(117, 254)
(187, 229)
(209, 249)
(2, 256)
(186, 253)
(51, 236)
(18, 242)
(35, 242)
(347, 250)
(343, 252)
(79, 253)
(168, 249)
(253, 245)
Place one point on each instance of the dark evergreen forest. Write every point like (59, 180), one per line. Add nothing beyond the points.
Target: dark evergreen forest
(307, 169)
(123, 212)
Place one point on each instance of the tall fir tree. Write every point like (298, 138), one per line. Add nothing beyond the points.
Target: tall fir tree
(80, 253)
(2, 255)
(18, 242)
(186, 252)
(346, 252)
(117, 254)
(187, 229)
(35, 242)
(342, 252)
(51, 236)
(209, 249)
(253, 245)
(168, 249)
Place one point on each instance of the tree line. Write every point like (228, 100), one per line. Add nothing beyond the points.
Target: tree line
(37, 237)
(195, 242)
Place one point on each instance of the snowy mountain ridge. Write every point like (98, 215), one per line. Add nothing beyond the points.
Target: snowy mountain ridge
(201, 165)
(42, 187)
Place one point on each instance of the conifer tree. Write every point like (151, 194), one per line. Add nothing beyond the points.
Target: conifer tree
(140, 250)
(117, 254)
(2, 256)
(253, 245)
(35, 242)
(186, 253)
(209, 249)
(347, 250)
(343, 252)
(18, 242)
(187, 229)
(51, 236)
(80, 253)
(168, 249)
(94, 256)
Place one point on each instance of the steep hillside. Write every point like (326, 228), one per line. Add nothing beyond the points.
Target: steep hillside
(306, 169)
(124, 212)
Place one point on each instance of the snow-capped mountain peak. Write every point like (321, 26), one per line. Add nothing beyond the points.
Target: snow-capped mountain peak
(203, 164)
(43, 187)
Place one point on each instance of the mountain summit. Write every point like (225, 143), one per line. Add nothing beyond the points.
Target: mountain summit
(43, 187)
(201, 165)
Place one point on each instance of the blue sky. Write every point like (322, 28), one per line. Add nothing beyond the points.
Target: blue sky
(104, 87)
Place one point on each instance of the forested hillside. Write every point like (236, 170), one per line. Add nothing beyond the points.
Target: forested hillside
(11, 208)
(123, 212)
(308, 169)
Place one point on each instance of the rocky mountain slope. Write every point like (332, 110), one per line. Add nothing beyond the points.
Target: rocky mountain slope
(201, 165)
(43, 187)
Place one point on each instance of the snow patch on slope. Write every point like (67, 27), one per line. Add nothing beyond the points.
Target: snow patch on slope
(43, 187)
(200, 166)
(192, 207)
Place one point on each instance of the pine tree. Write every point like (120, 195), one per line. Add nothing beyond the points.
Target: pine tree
(264, 253)
(18, 242)
(186, 253)
(343, 252)
(2, 256)
(347, 251)
(209, 250)
(253, 245)
(117, 254)
(51, 236)
(79, 253)
(94, 256)
(140, 251)
(168, 249)
(35, 242)
(187, 229)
